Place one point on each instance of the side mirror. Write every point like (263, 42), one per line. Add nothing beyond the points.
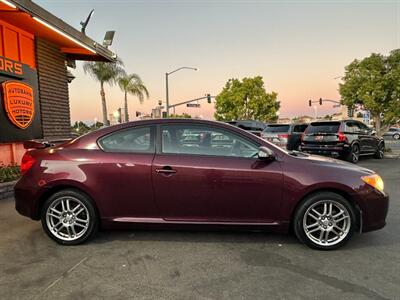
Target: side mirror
(265, 154)
(373, 132)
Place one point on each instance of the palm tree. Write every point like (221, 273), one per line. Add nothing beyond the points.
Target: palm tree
(132, 84)
(104, 72)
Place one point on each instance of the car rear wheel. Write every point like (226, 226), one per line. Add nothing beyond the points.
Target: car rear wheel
(380, 152)
(396, 136)
(69, 217)
(324, 221)
(354, 154)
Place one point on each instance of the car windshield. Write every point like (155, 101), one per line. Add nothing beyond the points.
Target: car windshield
(277, 128)
(323, 127)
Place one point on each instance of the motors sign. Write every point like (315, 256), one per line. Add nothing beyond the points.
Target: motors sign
(11, 68)
(19, 103)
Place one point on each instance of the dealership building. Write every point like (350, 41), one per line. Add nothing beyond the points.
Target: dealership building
(36, 48)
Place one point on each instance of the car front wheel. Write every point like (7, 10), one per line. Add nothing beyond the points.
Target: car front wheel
(396, 136)
(324, 221)
(380, 152)
(69, 217)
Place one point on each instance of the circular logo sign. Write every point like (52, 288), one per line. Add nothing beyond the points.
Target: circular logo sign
(19, 103)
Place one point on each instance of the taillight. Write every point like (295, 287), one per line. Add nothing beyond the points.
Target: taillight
(26, 163)
(283, 136)
(342, 137)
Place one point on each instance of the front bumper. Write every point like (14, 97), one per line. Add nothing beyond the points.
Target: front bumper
(374, 207)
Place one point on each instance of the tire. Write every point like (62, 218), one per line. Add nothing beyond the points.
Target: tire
(380, 152)
(335, 233)
(396, 136)
(69, 217)
(354, 155)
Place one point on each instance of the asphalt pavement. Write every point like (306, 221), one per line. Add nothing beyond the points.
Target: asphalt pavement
(201, 265)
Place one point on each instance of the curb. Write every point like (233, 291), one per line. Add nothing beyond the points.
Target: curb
(7, 189)
(392, 154)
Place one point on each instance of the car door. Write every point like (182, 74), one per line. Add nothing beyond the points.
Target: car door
(124, 179)
(204, 173)
(369, 142)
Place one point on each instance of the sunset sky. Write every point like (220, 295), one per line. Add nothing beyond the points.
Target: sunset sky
(299, 47)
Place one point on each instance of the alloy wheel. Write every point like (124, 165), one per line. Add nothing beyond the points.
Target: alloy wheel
(355, 154)
(396, 136)
(67, 218)
(326, 222)
(381, 150)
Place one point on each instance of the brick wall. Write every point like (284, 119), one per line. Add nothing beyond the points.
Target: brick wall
(53, 90)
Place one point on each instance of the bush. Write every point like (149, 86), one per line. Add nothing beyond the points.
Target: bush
(9, 173)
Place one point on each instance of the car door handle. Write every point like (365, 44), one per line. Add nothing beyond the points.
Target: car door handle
(166, 170)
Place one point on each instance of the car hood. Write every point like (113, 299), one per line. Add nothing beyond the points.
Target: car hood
(333, 163)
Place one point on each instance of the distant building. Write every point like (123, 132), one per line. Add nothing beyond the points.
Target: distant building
(284, 120)
(304, 119)
(35, 49)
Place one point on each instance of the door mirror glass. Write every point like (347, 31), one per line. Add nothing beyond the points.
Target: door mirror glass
(265, 154)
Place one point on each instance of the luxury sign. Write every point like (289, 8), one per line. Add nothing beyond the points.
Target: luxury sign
(19, 103)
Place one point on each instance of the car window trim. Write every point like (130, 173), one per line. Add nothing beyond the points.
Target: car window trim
(152, 149)
(159, 140)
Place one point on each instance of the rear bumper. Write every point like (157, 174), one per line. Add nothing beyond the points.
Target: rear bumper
(326, 149)
(26, 199)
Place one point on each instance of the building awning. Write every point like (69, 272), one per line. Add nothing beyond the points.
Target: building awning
(30, 17)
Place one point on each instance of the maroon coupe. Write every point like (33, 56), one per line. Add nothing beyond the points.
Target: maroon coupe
(194, 172)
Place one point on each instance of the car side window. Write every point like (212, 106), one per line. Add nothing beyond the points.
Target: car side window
(362, 128)
(132, 140)
(351, 127)
(299, 128)
(205, 140)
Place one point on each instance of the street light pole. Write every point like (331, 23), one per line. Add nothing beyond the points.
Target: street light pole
(167, 88)
(167, 94)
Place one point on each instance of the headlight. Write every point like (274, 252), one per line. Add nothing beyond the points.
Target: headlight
(375, 181)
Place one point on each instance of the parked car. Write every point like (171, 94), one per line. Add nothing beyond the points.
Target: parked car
(287, 136)
(255, 127)
(393, 132)
(348, 139)
(196, 172)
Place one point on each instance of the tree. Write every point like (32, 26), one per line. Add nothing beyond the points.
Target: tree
(104, 72)
(132, 84)
(96, 125)
(80, 127)
(246, 99)
(373, 84)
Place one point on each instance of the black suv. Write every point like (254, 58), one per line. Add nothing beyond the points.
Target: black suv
(287, 136)
(255, 127)
(347, 139)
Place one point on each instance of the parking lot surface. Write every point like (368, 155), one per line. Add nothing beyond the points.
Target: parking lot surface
(201, 265)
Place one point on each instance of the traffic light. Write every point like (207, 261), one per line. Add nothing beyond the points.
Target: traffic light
(309, 103)
(320, 101)
(208, 98)
(350, 112)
